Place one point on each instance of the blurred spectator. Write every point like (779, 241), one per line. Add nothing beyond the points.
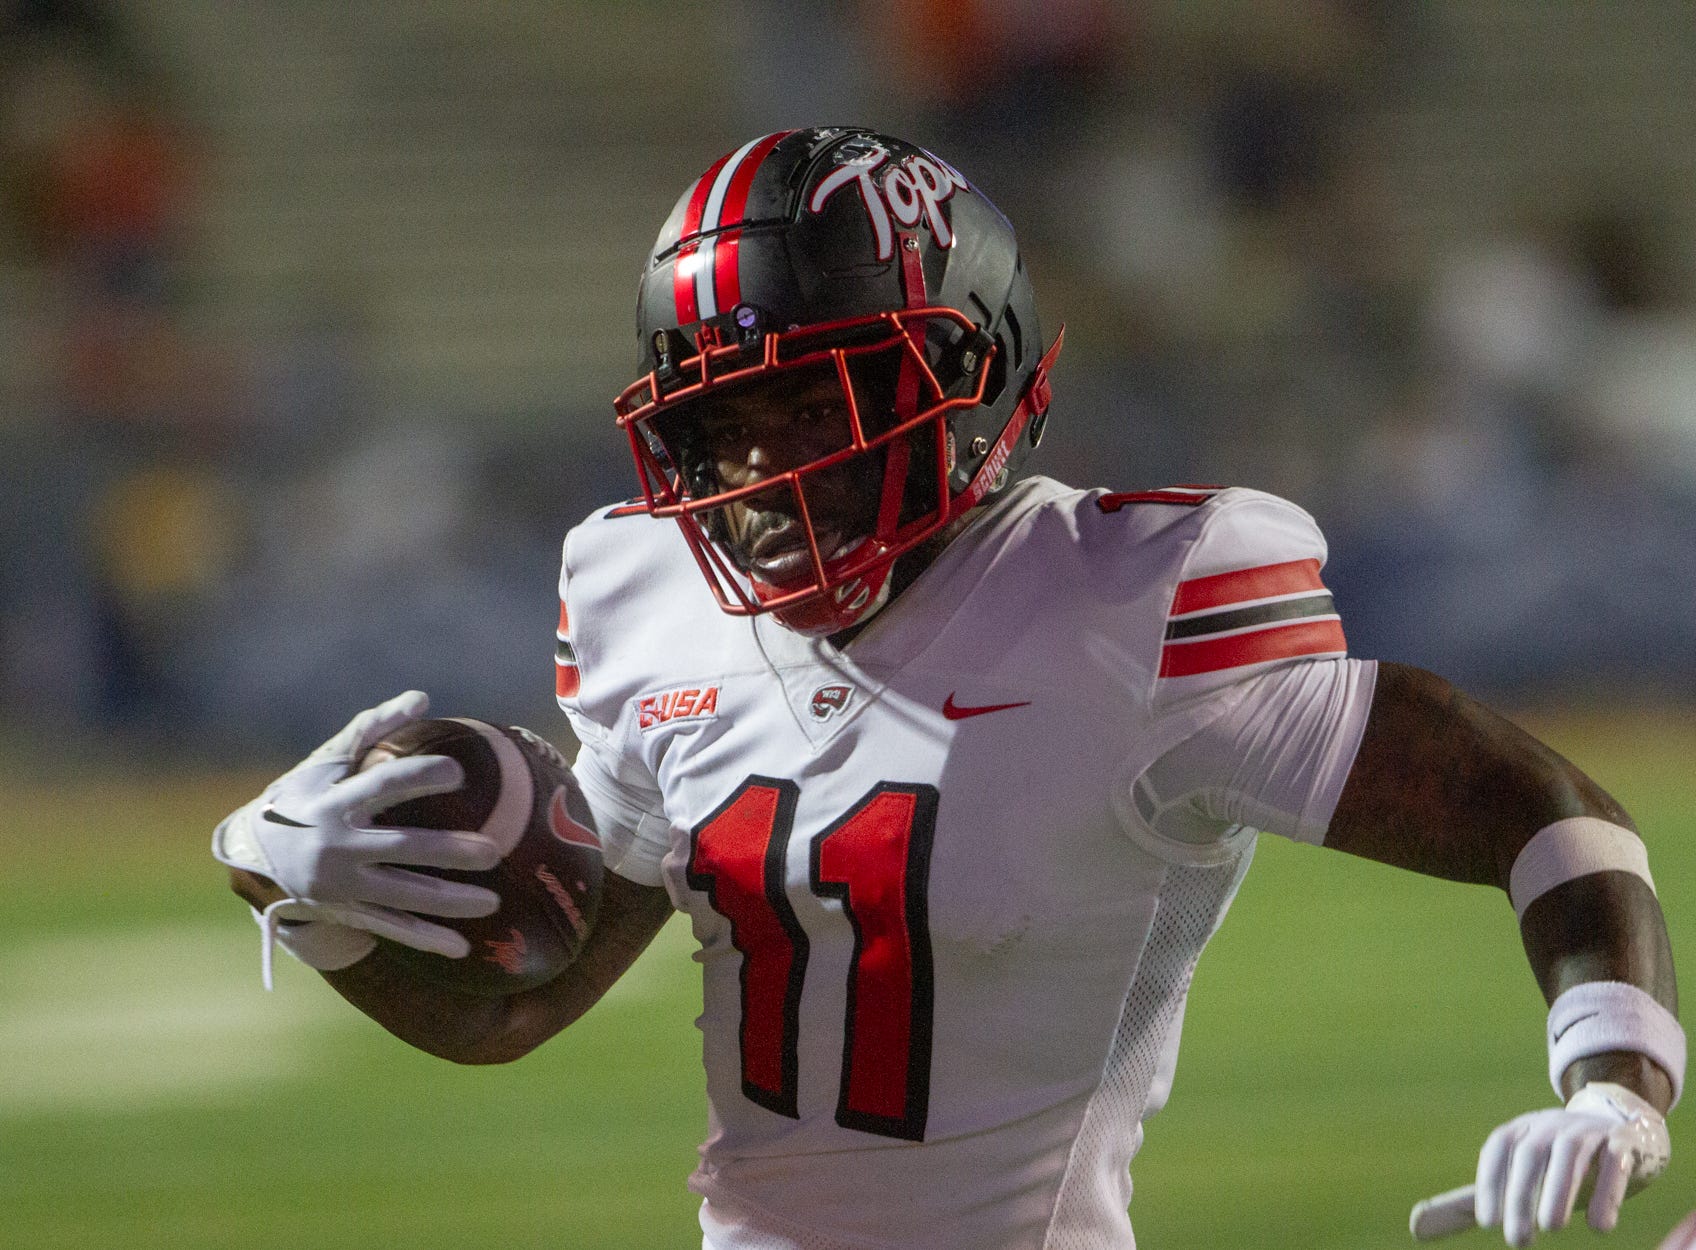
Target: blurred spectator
(805, 63)
(1510, 319)
(104, 192)
(163, 537)
(398, 557)
(1275, 231)
(1638, 391)
(127, 525)
(996, 83)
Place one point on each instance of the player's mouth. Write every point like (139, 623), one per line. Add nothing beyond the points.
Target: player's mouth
(781, 555)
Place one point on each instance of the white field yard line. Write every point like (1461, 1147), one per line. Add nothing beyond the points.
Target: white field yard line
(161, 1015)
(175, 1014)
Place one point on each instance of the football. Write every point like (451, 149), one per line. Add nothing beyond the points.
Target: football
(519, 790)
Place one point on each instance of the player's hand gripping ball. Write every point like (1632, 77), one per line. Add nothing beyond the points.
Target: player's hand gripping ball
(519, 792)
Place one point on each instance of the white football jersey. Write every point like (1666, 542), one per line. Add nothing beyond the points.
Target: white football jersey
(950, 883)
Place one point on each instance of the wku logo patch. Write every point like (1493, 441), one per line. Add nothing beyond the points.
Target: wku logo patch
(685, 704)
(827, 701)
(911, 190)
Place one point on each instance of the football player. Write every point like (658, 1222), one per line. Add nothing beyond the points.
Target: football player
(956, 771)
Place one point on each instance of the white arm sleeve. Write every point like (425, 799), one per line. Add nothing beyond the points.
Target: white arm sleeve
(1274, 759)
(635, 834)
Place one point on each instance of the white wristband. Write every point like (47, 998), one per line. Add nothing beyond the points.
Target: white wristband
(1595, 1017)
(321, 944)
(1571, 848)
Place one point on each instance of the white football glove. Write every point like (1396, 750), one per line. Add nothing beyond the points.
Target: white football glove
(1683, 1237)
(309, 832)
(1531, 1168)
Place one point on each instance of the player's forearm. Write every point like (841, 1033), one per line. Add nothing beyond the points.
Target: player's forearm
(438, 1021)
(474, 1030)
(442, 1022)
(464, 1028)
(1604, 927)
(1444, 786)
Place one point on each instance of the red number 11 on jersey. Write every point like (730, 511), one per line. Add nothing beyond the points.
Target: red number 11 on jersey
(876, 859)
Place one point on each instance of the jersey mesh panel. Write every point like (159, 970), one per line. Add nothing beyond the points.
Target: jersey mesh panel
(1192, 903)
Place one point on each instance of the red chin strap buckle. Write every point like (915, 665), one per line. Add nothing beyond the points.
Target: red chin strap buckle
(1041, 391)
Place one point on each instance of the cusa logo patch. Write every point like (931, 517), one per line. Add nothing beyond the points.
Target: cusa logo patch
(686, 703)
(827, 701)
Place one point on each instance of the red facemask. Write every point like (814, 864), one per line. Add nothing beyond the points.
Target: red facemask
(843, 588)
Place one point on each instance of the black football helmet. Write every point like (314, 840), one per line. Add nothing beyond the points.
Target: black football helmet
(857, 256)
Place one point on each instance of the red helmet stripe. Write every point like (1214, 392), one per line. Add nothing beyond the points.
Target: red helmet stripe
(736, 197)
(727, 281)
(712, 217)
(683, 271)
(698, 198)
(683, 285)
(718, 200)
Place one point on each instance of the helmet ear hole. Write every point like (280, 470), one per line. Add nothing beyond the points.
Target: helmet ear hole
(1016, 336)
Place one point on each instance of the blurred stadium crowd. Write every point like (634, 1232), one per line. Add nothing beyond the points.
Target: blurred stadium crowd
(309, 322)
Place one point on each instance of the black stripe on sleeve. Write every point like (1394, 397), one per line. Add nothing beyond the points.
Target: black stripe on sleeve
(1259, 614)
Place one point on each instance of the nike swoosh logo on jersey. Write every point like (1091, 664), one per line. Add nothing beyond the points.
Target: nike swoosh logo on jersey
(277, 818)
(954, 711)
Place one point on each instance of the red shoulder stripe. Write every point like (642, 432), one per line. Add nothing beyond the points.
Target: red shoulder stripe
(567, 680)
(1209, 655)
(567, 676)
(1187, 496)
(1289, 578)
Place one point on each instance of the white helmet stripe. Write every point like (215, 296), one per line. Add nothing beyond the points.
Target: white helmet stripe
(706, 300)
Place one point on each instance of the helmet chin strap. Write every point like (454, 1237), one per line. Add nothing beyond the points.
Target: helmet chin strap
(1035, 400)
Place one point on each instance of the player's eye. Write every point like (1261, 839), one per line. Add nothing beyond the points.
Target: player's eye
(726, 431)
(821, 415)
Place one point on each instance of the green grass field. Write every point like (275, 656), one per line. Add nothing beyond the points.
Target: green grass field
(1353, 1035)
